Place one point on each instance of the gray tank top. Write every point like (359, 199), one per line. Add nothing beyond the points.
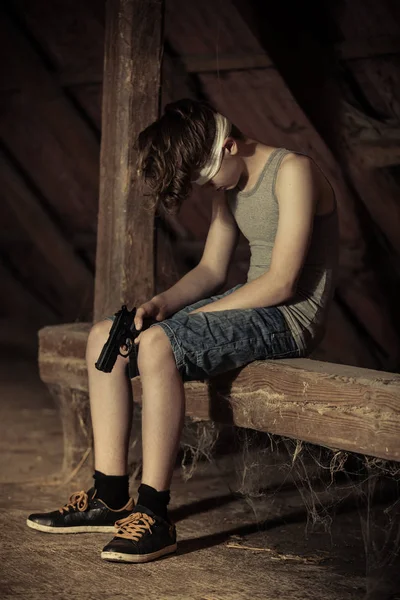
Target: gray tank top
(256, 213)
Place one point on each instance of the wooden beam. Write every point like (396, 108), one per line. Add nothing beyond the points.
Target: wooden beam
(372, 143)
(38, 115)
(19, 300)
(131, 96)
(192, 63)
(376, 154)
(229, 62)
(347, 50)
(74, 277)
(375, 143)
(333, 405)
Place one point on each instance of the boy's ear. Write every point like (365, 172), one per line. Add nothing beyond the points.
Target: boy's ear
(231, 146)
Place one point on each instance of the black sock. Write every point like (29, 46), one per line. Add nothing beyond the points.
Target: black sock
(154, 500)
(112, 489)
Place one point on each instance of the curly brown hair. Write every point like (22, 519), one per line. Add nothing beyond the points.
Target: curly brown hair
(174, 148)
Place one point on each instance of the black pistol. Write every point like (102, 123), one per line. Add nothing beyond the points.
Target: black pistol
(121, 341)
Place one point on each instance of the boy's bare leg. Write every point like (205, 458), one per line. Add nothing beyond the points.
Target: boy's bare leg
(111, 406)
(111, 409)
(163, 408)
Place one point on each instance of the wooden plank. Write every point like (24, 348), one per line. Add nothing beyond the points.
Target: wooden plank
(73, 275)
(331, 405)
(132, 71)
(338, 406)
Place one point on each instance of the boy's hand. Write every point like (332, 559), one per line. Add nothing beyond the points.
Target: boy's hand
(153, 309)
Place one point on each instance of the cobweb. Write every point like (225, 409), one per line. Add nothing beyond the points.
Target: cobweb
(329, 481)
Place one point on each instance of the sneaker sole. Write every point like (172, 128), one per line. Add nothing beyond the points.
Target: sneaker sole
(137, 558)
(77, 529)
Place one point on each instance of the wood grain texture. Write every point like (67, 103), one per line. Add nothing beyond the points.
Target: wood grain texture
(338, 406)
(131, 86)
(74, 278)
(46, 134)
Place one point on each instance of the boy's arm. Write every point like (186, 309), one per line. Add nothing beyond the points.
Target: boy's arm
(210, 274)
(198, 283)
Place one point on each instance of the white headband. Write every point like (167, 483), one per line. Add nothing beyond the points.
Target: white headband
(222, 130)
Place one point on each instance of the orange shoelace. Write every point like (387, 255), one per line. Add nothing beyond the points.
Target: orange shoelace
(79, 500)
(134, 526)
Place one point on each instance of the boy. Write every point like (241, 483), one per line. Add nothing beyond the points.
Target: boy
(286, 208)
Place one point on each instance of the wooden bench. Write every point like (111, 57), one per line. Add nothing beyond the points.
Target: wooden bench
(332, 405)
(324, 403)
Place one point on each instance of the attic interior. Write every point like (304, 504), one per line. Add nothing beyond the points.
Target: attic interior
(317, 77)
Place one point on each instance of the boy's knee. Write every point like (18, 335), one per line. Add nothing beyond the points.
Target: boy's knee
(98, 336)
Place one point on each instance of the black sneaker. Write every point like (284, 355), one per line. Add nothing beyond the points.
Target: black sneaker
(141, 537)
(84, 513)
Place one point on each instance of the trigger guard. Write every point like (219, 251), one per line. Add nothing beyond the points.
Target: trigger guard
(129, 344)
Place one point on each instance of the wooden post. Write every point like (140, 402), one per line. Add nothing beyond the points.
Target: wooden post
(131, 100)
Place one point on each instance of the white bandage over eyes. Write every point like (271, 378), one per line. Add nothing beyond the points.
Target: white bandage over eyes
(222, 130)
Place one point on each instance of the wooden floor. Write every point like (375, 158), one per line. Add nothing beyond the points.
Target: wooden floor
(222, 553)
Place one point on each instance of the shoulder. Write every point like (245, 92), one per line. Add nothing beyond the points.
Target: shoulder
(293, 163)
(296, 170)
(296, 183)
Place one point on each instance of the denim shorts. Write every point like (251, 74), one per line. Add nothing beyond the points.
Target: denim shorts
(209, 343)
